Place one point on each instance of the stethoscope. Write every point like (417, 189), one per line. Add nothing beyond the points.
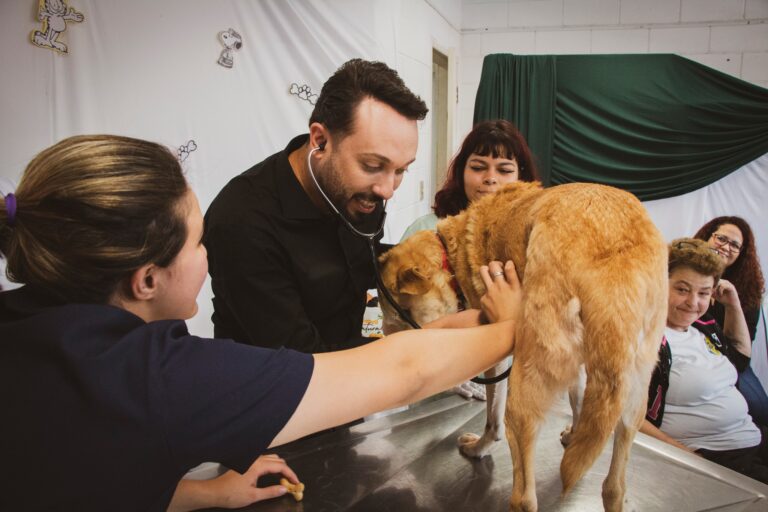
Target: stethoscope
(371, 238)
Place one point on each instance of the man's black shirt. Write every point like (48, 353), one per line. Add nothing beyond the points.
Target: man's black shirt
(284, 273)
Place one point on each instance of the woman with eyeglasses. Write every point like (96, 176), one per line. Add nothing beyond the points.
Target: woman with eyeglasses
(734, 241)
(693, 402)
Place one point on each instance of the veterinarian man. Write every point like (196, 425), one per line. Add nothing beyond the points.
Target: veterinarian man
(286, 269)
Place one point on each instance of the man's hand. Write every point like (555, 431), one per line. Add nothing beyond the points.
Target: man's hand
(504, 294)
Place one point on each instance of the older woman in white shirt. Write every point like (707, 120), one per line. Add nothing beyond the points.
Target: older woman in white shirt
(693, 402)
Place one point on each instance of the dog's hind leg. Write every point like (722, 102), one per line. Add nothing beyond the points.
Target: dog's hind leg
(472, 445)
(604, 399)
(575, 397)
(531, 394)
(546, 359)
(614, 485)
(638, 376)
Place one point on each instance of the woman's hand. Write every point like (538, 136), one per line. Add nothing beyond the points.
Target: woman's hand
(232, 490)
(504, 295)
(734, 323)
(240, 490)
(650, 429)
(725, 293)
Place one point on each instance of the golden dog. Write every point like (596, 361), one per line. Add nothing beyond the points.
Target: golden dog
(594, 273)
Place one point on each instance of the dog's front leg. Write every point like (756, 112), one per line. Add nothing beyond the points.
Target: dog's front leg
(471, 444)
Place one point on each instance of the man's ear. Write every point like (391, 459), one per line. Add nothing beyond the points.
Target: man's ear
(318, 136)
(144, 282)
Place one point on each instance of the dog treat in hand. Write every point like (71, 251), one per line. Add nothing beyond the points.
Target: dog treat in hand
(296, 489)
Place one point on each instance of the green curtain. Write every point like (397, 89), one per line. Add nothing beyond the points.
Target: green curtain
(656, 125)
(521, 90)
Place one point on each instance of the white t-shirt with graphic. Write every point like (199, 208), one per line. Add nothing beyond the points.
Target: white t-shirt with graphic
(703, 407)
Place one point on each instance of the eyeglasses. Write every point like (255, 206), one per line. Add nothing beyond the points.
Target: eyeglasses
(725, 241)
(682, 245)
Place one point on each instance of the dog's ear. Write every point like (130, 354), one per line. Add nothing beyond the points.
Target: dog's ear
(412, 281)
(388, 271)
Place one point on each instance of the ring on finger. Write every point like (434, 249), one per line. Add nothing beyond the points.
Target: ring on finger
(497, 274)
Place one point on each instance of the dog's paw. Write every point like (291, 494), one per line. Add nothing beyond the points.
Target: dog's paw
(565, 436)
(470, 390)
(472, 445)
(523, 506)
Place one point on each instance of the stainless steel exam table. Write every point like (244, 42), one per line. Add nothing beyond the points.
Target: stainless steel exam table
(407, 461)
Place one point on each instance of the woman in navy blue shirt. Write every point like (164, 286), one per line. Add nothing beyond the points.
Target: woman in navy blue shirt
(108, 400)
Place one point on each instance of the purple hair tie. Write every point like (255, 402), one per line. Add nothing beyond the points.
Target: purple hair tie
(10, 208)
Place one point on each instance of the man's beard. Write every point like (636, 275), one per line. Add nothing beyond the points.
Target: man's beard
(329, 179)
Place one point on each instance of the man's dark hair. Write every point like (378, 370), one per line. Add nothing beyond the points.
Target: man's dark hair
(356, 80)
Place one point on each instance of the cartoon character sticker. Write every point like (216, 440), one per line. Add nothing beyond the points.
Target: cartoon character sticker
(231, 41)
(54, 15)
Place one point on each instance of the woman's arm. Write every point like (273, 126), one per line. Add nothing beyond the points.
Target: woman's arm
(648, 428)
(734, 323)
(399, 369)
(462, 319)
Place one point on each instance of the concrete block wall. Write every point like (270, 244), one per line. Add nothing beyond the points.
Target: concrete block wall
(728, 35)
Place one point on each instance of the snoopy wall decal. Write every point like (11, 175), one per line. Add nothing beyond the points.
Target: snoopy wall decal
(231, 41)
(54, 15)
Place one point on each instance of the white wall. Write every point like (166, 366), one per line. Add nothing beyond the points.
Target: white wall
(420, 27)
(728, 35)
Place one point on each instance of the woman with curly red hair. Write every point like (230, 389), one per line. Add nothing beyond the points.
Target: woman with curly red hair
(734, 241)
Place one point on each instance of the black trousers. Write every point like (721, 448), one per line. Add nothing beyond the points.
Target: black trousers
(752, 461)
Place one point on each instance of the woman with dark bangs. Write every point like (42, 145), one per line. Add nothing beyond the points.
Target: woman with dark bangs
(493, 154)
(734, 241)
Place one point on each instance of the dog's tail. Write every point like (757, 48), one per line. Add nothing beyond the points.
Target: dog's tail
(610, 342)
